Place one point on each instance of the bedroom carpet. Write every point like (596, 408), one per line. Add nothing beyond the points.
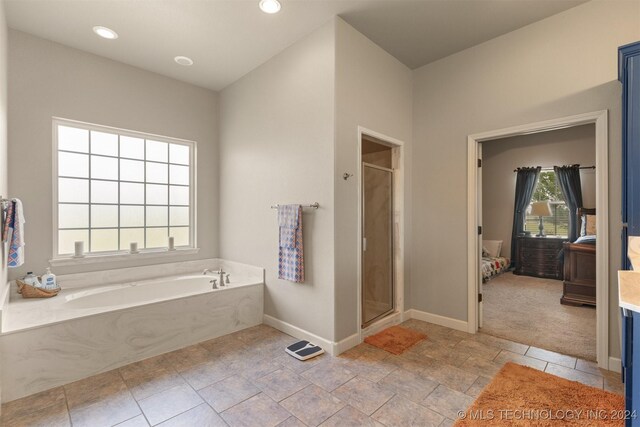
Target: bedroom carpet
(523, 396)
(528, 310)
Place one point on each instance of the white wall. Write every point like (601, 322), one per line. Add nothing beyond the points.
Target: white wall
(47, 79)
(576, 145)
(276, 146)
(563, 65)
(373, 90)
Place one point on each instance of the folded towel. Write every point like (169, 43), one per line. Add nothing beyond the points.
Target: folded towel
(291, 251)
(288, 223)
(16, 244)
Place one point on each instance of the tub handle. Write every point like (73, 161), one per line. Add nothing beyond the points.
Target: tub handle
(214, 283)
(227, 279)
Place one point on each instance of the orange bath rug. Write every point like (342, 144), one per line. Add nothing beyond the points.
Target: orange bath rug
(395, 339)
(523, 396)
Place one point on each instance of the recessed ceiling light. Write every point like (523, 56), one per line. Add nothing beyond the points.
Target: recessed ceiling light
(105, 33)
(183, 60)
(270, 6)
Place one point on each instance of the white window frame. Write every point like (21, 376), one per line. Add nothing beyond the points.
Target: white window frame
(122, 255)
(551, 202)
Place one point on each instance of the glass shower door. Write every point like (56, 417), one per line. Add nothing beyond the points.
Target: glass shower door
(377, 244)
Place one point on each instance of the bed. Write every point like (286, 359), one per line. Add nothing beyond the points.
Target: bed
(493, 266)
(579, 285)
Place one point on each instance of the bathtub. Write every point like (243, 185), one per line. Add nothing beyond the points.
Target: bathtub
(101, 321)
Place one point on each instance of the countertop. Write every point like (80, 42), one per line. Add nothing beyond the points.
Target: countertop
(629, 290)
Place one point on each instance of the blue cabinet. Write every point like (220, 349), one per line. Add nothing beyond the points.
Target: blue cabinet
(629, 76)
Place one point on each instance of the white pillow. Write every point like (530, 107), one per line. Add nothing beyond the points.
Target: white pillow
(493, 247)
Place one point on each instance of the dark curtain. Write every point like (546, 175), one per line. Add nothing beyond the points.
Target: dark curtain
(569, 181)
(525, 186)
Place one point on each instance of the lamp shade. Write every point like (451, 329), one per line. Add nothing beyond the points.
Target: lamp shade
(540, 209)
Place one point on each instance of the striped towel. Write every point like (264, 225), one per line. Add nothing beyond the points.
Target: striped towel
(291, 251)
(16, 227)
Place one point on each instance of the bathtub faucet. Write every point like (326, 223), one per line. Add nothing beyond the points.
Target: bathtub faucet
(219, 272)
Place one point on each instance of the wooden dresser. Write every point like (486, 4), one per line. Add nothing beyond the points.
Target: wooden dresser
(538, 256)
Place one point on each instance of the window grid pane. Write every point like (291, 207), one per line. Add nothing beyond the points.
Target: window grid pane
(82, 193)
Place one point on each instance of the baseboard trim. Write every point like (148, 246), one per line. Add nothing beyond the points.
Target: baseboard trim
(615, 364)
(459, 325)
(345, 344)
(294, 331)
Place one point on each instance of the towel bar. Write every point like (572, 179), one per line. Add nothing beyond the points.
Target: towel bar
(315, 205)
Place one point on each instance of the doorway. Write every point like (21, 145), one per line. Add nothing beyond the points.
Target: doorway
(475, 220)
(377, 233)
(381, 225)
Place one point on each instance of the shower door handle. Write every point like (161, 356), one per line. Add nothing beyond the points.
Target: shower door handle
(364, 244)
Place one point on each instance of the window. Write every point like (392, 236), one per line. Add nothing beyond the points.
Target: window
(115, 187)
(547, 189)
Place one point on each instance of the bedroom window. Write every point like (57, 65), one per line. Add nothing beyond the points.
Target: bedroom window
(548, 189)
(113, 187)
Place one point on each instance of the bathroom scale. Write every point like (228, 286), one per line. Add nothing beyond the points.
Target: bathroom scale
(304, 350)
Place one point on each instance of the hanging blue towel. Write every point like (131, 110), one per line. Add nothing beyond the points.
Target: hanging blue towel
(291, 251)
(16, 222)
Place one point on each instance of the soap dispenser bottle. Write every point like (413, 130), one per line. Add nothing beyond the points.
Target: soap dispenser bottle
(49, 280)
(31, 279)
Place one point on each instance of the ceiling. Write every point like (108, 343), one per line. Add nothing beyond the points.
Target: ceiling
(228, 38)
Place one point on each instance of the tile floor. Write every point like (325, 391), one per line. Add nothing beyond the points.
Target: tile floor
(221, 382)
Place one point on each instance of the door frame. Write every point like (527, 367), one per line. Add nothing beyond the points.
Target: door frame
(600, 119)
(399, 226)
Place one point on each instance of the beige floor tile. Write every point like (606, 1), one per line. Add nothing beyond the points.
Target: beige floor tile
(574, 375)
(364, 395)
(401, 412)
(200, 416)
(329, 376)
(169, 403)
(258, 411)
(312, 405)
(477, 387)
(450, 376)
(480, 366)
(34, 403)
(613, 384)
(507, 356)
(55, 415)
(143, 367)
(139, 421)
(281, 384)
(477, 349)
(447, 402)
(185, 358)
(257, 334)
(151, 382)
(228, 392)
(109, 410)
(93, 389)
(501, 343)
(413, 365)
(292, 422)
(591, 368)
(408, 385)
(224, 344)
(202, 375)
(350, 417)
(447, 423)
(299, 366)
(372, 369)
(447, 354)
(553, 357)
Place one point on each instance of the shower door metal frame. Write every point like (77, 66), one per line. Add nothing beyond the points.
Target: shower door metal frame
(391, 243)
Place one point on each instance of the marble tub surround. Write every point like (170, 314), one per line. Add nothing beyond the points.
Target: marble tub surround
(111, 290)
(222, 382)
(87, 339)
(126, 275)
